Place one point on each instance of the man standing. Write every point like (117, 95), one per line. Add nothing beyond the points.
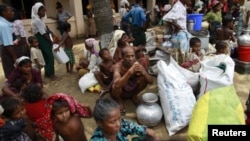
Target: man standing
(138, 18)
(8, 54)
(129, 78)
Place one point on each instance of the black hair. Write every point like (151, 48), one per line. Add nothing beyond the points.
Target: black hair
(66, 26)
(220, 45)
(9, 105)
(32, 93)
(102, 51)
(103, 107)
(217, 4)
(3, 8)
(193, 41)
(31, 39)
(115, 27)
(58, 5)
(23, 62)
(59, 103)
(227, 19)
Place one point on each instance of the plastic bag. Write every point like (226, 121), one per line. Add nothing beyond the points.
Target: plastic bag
(218, 106)
(212, 76)
(87, 81)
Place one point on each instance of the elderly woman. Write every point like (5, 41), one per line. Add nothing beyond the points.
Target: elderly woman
(22, 75)
(92, 47)
(41, 32)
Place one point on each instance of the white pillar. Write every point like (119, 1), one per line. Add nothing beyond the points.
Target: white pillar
(76, 6)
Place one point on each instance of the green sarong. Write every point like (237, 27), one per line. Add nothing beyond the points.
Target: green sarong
(46, 48)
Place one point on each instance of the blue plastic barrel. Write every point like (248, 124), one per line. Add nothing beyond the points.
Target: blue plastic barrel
(197, 18)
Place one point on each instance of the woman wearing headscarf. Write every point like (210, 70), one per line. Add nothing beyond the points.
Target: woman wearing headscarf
(214, 17)
(114, 42)
(92, 54)
(41, 32)
(20, 77)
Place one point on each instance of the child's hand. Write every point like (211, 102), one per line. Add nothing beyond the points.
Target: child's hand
(57, 49)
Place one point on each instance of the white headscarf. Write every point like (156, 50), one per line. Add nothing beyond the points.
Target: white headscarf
(20, 59)
(34, 11)
(113, 43)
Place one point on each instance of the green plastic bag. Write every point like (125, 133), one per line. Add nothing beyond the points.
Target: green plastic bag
(218, 106)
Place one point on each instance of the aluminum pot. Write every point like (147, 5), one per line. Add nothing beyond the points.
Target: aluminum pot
(149, 112)
(244, 39)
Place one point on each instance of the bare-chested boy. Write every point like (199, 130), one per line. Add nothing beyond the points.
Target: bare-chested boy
(129, 78)
(225, 33)
(105, 75)
(68, 45)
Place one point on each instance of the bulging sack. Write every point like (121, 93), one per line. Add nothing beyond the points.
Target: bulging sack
(176, 97)
(86, 81)
(216, 72)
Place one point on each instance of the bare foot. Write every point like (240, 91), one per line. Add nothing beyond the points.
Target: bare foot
(103, 92)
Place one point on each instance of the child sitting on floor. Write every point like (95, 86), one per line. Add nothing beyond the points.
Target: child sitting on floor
(105, 75)
(82, 67)
(192, 61)
(63, 117)
(66, 124)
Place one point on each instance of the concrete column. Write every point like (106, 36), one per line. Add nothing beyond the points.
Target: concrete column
(76, 6)
(103, 19)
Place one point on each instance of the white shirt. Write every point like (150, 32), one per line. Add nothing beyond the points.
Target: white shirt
(122, 12)
(35, 53)
(38, 26)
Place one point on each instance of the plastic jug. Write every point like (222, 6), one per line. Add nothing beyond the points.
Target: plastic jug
(60, 56)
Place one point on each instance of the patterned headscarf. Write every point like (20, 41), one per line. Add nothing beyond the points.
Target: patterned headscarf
(113, 43)
(91, 42)
(45, 124)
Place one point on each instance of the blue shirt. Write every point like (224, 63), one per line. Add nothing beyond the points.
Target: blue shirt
(127, 128)
(6, 38)
(137, 14)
